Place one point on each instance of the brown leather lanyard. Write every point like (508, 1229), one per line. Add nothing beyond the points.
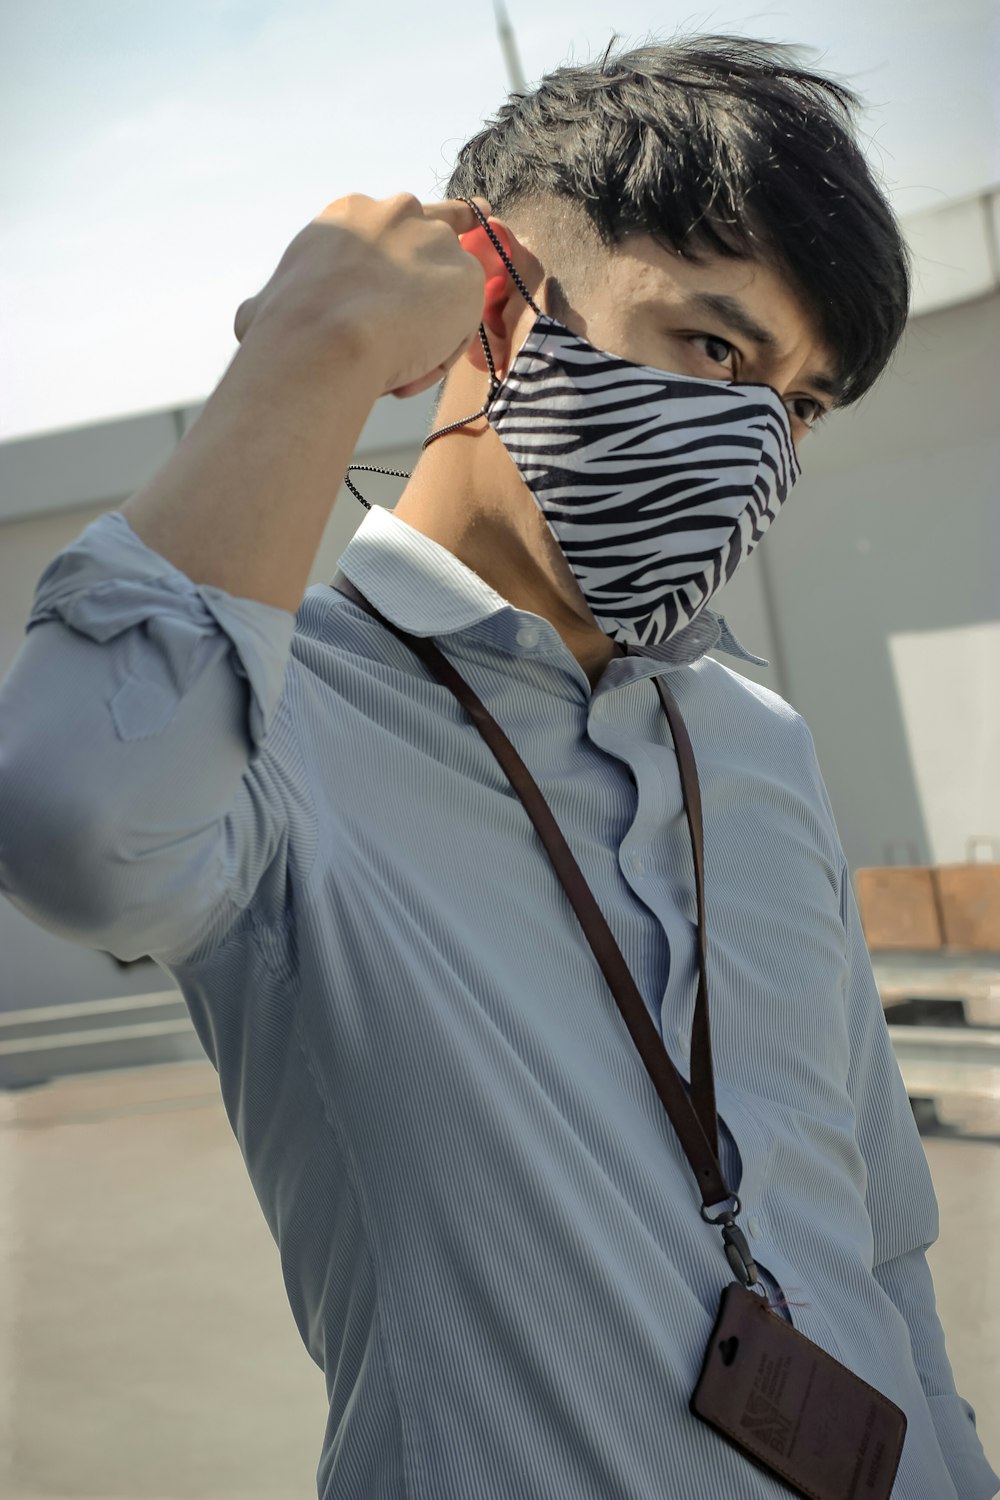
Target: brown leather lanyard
(694, 1118)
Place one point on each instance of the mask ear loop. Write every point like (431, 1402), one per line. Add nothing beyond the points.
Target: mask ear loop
(495, 381)
(514, 274)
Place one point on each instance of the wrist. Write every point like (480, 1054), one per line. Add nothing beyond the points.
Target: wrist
(325, 345)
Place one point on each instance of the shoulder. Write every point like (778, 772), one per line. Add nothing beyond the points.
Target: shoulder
(723, 692)
(760, 730)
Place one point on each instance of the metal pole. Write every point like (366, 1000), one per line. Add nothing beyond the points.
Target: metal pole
(508, 46)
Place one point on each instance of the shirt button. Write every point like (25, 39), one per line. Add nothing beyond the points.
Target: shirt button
(684, 1044)
(753, 1225)
(528, 635)
(638, 867)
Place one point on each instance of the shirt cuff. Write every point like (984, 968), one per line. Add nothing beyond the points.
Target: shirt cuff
(108, 581)
(955, 1425)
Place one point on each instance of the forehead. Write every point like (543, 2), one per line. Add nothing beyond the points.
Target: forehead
(649, 268)
(754, 298)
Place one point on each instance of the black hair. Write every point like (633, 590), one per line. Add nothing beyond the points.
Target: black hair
(715, 144)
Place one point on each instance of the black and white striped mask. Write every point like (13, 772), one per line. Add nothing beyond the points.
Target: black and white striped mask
(655, 485)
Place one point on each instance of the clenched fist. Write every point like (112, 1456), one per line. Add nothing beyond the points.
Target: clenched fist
(385, 279)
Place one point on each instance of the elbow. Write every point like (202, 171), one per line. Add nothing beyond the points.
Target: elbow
(94, 843)
(52, 866)
(90, 891)
(75, 869)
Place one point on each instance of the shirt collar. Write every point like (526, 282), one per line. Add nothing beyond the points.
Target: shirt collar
(426, 590)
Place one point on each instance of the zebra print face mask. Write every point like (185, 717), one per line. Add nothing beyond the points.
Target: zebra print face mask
(655, 486)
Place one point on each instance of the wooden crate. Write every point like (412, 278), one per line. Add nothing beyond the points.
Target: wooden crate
(899, 907)
(969, 901)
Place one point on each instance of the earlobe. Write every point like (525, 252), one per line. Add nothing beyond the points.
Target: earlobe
(495, 296)
(500, 286)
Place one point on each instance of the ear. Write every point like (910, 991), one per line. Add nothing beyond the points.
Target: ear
(499, 285)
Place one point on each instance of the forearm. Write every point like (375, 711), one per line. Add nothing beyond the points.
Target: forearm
(371, 296)
(243, 501)
(907, 1281)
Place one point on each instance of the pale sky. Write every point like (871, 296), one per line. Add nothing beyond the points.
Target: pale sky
(157, 158)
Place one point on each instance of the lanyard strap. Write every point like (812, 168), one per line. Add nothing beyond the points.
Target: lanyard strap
(694, 1118)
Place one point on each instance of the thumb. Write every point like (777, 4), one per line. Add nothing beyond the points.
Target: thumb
(245, 314)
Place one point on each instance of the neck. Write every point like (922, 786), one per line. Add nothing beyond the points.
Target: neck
(466, 495)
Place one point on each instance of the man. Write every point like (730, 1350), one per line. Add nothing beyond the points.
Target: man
(489, 1230)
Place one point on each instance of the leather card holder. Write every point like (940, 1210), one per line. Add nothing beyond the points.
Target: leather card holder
(793, 1409)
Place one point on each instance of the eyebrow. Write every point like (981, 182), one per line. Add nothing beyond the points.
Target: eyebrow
(735, 316)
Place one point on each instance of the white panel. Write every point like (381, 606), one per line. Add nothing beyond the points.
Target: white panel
(946, 681)
(951, 253)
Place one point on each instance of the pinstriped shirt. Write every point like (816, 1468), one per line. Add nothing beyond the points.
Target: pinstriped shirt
(489, 1236)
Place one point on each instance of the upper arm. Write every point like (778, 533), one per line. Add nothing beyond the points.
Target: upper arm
(138, 805)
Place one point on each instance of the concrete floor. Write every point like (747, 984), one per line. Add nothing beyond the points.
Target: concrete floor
(147, 1351)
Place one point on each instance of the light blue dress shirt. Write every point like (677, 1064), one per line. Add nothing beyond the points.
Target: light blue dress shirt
(489, 1235)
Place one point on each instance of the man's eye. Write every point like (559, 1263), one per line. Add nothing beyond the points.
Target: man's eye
(813, 412)
(714, 345)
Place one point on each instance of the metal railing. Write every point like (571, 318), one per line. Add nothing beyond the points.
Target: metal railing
(955, 1061)
(53, 1041)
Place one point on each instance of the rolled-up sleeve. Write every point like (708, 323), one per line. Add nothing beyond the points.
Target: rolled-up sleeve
(903, 1210)
(129, 720)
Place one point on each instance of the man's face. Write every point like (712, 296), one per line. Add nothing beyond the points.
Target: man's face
(721, 319)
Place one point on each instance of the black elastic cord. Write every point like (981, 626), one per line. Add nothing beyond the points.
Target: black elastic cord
(494, 378)
(514, 274)
(369, 469)
(494, 381)
(490, 394)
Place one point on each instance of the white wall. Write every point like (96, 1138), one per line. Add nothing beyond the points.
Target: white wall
(884, 572)
(876, 599)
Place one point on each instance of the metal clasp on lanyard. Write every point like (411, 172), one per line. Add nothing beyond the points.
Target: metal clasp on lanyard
(738, 1254)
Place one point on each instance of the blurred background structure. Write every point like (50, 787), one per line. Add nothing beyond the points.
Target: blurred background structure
(155, 165)
(876, 600)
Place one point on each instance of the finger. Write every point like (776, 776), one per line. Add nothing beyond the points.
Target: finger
(414, 387)
(457, 214)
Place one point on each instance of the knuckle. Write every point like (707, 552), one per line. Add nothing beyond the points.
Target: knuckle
(350, 203)
(405, 203)
(337, 205)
